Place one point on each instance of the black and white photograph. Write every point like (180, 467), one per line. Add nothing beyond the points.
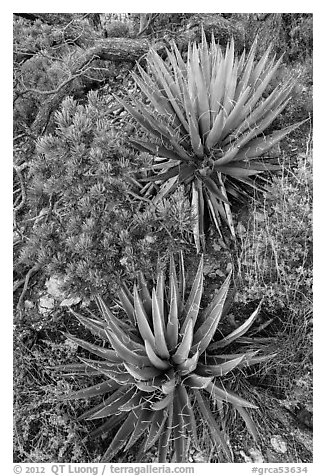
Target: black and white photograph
(162, 240)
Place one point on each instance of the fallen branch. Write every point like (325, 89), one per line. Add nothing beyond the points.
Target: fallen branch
(28, 276)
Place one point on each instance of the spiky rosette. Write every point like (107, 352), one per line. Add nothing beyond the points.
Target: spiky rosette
(209, 116)
(162, 366)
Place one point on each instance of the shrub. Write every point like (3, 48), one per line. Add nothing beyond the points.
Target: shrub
(45, 429)
(84, 223)
(276, 244)
(117, 29)
(209, 117)
(162, 366)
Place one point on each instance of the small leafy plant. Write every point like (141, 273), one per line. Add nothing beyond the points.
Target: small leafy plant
(209, 115)
(162, 366)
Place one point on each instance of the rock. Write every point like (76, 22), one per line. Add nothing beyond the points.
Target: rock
(278, 444)
(46, 304)
(255, 456)
(70, 301)
(54, 285)
(28, 304)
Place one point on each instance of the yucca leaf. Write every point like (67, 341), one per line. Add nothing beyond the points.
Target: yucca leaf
(159, 101)
(168, 84)
(169, 386)
(259, 67)
(172, 326)
(143, 373)
(127, 303)
(182, 351)
(237, 332)
(205, 59)
(216, 131)
(228, 396)
(120, 438)
(189, 365)
(197, 381)
(169, 187)
(135, 401)
(163, 442)
(214, 210)
(236, 172)
(216, 207)
(163, 403)
(257, 95)
(193, 124)
(221, 369)
(253, 165)
(196, 216)
(202, 97)
(97, 389)
(116, 372)
(146, 123)
(143, 422)
(113, 403)
(110, 424)
(156, 428)
(193, 302)
(217, 88)
(221, 358)
(160, 294)
(188, 414)
(95, 327)
(246, 73)
(248, 421)
(216, 434)
(144, 293)
(255, 131)
(205, 332)
(142, 316)
(179, 436)
(108, 354)
(249, 361)
(201, 208)
(157, 150)
(249, 118)
(230, 78)
(146, 387)
(76, 369)
(260, 145)
(214, 189)
(125, 335)
(125, 353)
(95, 409)
(159, 328)
(182, 282)
(232, 120)
(155, 360)
(163, 176)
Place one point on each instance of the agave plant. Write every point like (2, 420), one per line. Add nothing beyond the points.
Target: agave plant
(163, 371)
(209, 115)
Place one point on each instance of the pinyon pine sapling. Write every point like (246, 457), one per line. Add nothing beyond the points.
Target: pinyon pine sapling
(89, 228)
(209, 116)
(163, 366)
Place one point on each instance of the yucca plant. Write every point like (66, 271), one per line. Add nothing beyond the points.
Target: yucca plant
(209, 115)
(163, 369)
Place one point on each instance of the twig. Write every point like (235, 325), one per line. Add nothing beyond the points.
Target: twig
(23, 191)
(150, 21)
(32, 271)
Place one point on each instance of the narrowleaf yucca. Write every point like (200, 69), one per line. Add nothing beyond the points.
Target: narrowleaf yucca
(209, 114)
(163, 368)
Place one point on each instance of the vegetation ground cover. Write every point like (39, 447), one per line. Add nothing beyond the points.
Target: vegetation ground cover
(81, 221)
